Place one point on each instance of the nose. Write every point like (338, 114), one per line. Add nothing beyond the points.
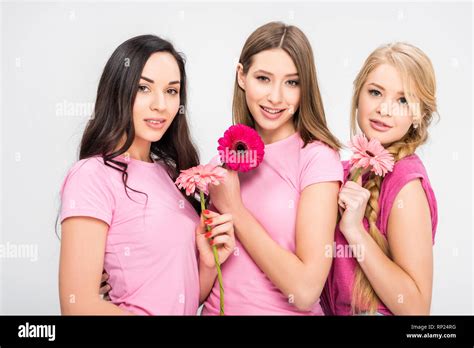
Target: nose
(159, 102)
(385, 108)
(275, 95)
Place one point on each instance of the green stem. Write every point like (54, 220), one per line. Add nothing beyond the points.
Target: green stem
(216, 260)
(356, 174)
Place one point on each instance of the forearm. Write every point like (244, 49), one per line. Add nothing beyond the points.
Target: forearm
(207, 277)
(285, 269)
(395, 288)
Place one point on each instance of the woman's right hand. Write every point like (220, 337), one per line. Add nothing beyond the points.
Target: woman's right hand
(104, 286)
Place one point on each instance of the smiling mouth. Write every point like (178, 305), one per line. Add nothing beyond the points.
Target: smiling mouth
(153, 121)
(272, 110)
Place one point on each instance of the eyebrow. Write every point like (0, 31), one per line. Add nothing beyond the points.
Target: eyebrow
(383, 89)
(147, 79)
(151, 81)
(269, 73)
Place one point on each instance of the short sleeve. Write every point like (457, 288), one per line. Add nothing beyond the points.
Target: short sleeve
(87, 191)
(319, 163)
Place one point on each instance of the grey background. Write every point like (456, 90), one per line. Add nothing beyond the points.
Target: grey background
(52, 55)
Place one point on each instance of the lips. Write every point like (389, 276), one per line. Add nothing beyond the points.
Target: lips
(155, 120)
(379, 125)
(155, 123)
(272, 113)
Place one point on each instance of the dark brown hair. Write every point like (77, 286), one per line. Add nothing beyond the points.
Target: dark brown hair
(113, 119)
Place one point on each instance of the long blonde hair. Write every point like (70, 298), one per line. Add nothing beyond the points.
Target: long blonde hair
(419, 83)
(309, 119)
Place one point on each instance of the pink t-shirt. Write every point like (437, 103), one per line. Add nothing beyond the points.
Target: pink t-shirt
(271, 193)
(336, 296)
(150, 254)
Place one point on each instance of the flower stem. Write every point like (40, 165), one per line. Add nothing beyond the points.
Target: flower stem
(356, 174)
(216, 260)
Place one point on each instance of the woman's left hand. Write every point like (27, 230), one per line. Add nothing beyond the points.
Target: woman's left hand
(353, 200)
(221, 235)
(226, 196)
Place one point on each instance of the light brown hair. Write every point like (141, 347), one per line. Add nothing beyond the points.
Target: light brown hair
(309, 120)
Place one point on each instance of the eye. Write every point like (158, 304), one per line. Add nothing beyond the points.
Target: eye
(172, 91)
(293, 83)
(263, 78)
(374, 92)
(143, 88)
(403, 100)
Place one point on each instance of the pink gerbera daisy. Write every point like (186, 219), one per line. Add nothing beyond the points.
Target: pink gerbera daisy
(241, 148)
(200, 177)
(370, 154)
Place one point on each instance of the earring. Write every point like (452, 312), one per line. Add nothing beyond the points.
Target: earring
(415, 125)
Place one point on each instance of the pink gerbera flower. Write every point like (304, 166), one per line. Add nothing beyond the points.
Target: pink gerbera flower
(370, 154)
(200, 177)
(241, 148)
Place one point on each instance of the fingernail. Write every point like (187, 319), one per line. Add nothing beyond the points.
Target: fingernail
(206, 212)
(208, 221)
(208, 234)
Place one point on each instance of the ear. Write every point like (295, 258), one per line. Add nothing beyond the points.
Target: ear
(240, 76)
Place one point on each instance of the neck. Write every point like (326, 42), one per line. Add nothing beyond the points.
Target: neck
(270, 136)
(139, 150)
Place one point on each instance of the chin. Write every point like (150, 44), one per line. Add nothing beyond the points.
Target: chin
(267, 125)
(154, 139)
(270, 125)
(371, 134)
(151, 136)
(384, 139)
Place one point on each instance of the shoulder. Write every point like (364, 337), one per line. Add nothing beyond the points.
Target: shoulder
(407, 166)
(317, 150)
(319, 163)
(86, 171)
(92, 165)
(405, 170)
(408, 180)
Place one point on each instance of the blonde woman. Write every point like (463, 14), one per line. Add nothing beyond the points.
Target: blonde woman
(390, 221)
(285, 210)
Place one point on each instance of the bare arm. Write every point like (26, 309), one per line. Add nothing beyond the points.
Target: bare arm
(207, 277)
(80, 269)
(403, 284)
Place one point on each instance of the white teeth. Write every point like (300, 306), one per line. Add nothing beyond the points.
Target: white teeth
(154, 121)
(273, 111)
